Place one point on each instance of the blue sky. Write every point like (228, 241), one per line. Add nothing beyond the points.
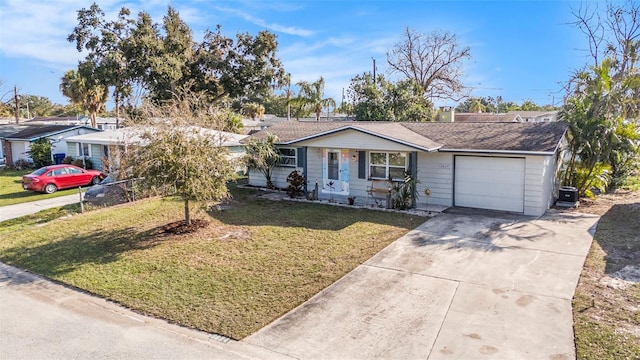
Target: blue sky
(520, 49)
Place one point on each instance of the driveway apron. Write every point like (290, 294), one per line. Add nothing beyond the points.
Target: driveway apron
(459, 286)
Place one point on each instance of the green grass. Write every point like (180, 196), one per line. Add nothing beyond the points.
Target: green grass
(606, 319)
(255, 261)
(11, 191)
(632, 183)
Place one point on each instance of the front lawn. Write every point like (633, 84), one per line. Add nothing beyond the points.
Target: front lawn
(256, 260)
(11, 191)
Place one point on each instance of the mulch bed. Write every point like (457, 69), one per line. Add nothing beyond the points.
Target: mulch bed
(181, 227)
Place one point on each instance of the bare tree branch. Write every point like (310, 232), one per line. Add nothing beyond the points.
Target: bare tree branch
(433, 61)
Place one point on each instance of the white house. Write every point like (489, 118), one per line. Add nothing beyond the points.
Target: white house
(536, 116)
(16, 145)
(506, 166)
(99, 146)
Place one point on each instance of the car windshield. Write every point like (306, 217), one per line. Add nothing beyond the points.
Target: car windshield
(39, 171)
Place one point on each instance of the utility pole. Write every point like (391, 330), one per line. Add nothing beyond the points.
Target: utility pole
(16, 98)
(374, 70)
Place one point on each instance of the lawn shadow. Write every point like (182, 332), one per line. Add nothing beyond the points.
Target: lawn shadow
(618, 235)
(57, 258)
(256, 211)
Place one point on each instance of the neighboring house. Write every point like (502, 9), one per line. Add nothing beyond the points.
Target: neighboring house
(500, 166)
(7, 129)
(485, 117)
(102, 123)
(100, 148)
(16, 145)
(536, 116)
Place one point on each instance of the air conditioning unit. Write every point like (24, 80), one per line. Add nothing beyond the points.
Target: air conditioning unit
(568, 194)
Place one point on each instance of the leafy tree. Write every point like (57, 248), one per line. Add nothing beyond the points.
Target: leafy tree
(434, 61)
(253, 110)
(311, 97)
(244, 70)
(529, 105)
(40, 152)
(104, 40)
(82, 88)
(599, 131)
(263, 156)
(181, 156)
(387, 101)
(38, 105)
(505, 107)
(601, 107)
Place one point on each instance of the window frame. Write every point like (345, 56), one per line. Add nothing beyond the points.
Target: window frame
(387, 166)
(292, 159)
(81, 152)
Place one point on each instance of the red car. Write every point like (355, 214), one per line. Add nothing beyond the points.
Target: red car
(48, 179)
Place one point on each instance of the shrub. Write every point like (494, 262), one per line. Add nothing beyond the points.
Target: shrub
(67, 160)
(86, 164)
(296, 184)
(40, 152)
(22, 164)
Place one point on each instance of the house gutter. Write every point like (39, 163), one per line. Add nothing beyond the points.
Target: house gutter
(503, 152)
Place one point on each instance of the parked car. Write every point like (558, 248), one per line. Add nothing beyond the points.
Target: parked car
(51, 178)
(107, 192)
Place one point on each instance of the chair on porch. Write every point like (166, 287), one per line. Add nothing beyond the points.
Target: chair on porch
(379, 192)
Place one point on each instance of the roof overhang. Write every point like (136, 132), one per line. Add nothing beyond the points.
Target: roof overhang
(365, 131)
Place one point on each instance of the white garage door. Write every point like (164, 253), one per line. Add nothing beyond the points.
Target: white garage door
(489, 183)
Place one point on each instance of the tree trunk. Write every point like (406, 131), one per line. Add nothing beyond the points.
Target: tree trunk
(187, 215)
(117, 110)
(93, 116)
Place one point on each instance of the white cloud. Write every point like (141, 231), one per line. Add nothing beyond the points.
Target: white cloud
(291, 30)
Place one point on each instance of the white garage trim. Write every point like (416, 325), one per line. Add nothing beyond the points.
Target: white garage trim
(495, 183)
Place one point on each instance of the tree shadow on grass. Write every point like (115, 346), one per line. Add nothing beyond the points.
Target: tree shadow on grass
(52, 259)
(618, 235)
(254, 211)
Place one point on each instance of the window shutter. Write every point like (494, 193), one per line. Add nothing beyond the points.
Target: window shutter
(413, 163)
(302, 157)
(362, 164)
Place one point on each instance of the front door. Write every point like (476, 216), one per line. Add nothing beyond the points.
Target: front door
(335, 171)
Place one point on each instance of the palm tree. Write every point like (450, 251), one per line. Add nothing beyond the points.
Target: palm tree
(311, 96)
(83, 91)
(262, 155)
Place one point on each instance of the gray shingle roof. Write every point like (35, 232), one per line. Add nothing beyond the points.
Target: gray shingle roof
(38, 131)
(485, 117)
(489, 137)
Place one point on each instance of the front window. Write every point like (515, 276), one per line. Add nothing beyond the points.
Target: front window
(84, 150)
(383, 165)
(287, 157)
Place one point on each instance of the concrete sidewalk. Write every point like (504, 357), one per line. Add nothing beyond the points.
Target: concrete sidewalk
(457, 287)
(15, 211)
(43, 320)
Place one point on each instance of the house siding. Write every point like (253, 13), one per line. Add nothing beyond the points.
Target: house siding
(351, 139)
(435, 172)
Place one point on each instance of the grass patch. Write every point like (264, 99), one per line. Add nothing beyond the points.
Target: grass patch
(256, 260)
(632, 183)
(607, 315)
(11, 191)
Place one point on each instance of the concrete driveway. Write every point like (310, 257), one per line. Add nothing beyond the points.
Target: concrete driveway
(460, 286)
